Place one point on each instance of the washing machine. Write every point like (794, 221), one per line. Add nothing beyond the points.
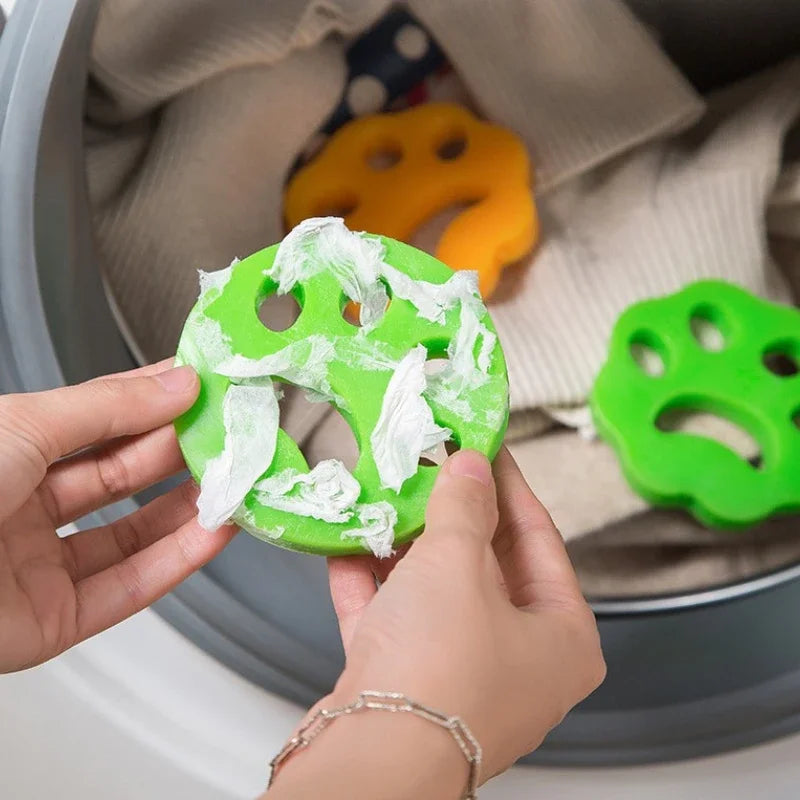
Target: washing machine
(192, 697)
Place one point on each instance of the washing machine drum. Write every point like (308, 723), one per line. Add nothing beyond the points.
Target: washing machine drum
(690, 674)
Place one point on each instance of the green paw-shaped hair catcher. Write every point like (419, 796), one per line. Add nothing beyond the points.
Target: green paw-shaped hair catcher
(739, 378)
(412, 309)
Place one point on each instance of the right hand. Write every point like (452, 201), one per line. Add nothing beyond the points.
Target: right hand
(482, 617)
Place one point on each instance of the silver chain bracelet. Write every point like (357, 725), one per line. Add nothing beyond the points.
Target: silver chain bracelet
(394, 702)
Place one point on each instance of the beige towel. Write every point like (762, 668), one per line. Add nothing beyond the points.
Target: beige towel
(208, 188)
(145, 54)
(238, 87)
(580, 81)
(198, 109)
(662, 552)
(645, 225)
(580, 481)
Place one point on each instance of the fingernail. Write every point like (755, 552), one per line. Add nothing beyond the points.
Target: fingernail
(470, 464)
(178, 379)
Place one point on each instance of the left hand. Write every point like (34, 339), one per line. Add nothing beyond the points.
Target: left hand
(64, 453)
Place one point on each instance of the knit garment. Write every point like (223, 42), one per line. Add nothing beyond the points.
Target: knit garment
(198, 109)
(579, 81)
(667, 552)
(645, 225)
(198, 112)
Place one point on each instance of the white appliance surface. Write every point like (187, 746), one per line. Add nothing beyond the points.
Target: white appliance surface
(139, 711)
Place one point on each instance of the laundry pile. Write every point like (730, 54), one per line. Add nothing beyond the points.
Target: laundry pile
(197, 112)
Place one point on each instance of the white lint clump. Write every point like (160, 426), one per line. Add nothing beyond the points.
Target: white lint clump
(247, 519)
(469, 361)
(359, 351)
(304, 363)
(432, 300)
(329, 492)
(323, 243)
(208, 341)
(250, 416)
(405, 427)
(377, 527)
(212, 283)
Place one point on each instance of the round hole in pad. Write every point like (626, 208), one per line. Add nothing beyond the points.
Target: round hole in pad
(252, 472)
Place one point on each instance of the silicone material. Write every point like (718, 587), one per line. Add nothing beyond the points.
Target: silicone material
(492, 173)
(717, 485)
(201, 432)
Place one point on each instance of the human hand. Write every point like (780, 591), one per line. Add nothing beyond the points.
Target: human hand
(55, 592)
(482, 618)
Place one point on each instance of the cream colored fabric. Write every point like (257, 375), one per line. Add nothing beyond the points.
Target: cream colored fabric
(145, 54)
(527, 423)
(198, 109)
(645, 225)
(208, 188)
(660, 552)
(580, 81)
(581, 482)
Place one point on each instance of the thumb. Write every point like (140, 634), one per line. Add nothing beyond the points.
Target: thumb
(463, 502)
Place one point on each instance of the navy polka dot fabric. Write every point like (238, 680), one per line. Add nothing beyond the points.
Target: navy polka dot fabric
(385, 63)
(387, 68)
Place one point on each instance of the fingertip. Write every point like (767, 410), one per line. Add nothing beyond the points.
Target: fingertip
(469, 464)
(352, 587)
(463, 498)
(179, 380)
(208, 544)
(504, 463)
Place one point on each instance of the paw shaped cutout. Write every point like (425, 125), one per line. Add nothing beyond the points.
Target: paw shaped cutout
(711, 350)
(391, 173)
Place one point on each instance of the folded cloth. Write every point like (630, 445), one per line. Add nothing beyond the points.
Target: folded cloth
(208, 188)
(663, 552)
(528, 423)
(645, 225)
(196, 112)
(145, 54)
(198, 109)
(580, 480)
(579, 81)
